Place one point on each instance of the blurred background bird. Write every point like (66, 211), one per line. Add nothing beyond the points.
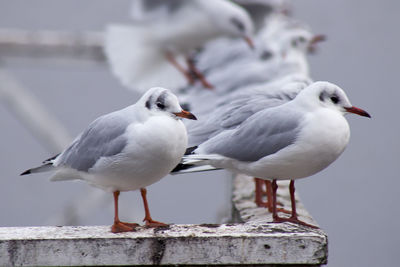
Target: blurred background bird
(155, 49)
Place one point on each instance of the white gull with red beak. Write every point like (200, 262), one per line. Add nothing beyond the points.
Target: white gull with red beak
(290, 141)
(126, 150)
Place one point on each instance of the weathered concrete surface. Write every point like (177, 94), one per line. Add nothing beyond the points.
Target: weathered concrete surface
(253, 242)
(246, 243)
(245, 210)
(244, 205)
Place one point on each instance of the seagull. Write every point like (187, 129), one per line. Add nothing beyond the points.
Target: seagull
(163, 35)
(126, 150)
(235, 108)
(293, 40)
(281, 48)
(282, 45)
(287, 142)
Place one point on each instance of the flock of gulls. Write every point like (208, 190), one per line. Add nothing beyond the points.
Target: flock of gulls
(247, 103)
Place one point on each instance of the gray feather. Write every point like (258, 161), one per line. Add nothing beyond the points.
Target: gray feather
(232, 113)
(263, 134)
(103, 138)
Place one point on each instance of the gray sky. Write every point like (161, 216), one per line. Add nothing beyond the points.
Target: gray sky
(354, 200)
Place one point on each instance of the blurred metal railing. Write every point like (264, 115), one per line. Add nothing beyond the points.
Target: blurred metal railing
(54, 45)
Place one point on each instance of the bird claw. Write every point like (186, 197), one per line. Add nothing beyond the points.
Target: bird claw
(122, 227)
(261, 204)
(154, 224)
(270, 208)
(294, 220)
(282, 210)
(133, 225)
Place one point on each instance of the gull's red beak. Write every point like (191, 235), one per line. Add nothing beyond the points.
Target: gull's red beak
(186, 114)
(358, 111)
(249, 41)
(314, 41)
(317, 38)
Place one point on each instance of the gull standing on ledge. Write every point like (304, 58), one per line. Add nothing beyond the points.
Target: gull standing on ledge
(287, 142)
(150, 52)
(235, 108)
(126, 150)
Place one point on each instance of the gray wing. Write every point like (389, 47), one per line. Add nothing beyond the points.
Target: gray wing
(223, 118)
(248, 104)
(233, 111)
(150, 10)
(103, 138)
(264, 133)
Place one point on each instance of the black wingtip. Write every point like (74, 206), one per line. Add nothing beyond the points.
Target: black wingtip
(50, 159)
(181, 167)
(26, 172)
(190, 150)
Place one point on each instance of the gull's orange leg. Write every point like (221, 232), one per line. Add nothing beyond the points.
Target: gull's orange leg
(293, 218)
(259, 192)
(269, 197)
(149, 221)
(118, 226)
(268, 192)
(198, 73)
(173, 61)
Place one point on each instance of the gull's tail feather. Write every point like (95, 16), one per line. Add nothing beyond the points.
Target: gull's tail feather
(195, 163)
(188, 168)
(137, 61)
(65, 174)
(44, 168)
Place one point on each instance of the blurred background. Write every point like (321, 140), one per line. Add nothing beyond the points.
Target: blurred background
(354, 200)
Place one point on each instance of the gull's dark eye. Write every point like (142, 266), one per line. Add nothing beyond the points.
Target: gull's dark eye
(238, 24)
(335, 99)
(266, 55)
(160, 105)
(321, 97)
(302, 39)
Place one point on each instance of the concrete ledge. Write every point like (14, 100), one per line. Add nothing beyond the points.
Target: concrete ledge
(246, 210)
(253, 241)
(245, 243)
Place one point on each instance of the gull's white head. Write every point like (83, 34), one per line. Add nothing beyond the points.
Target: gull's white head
(159, 100)
(328, 95)
(300, 39)
(234, 21)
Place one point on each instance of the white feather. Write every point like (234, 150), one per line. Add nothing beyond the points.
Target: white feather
(136, 62)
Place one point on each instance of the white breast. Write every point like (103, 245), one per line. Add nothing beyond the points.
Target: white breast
(319, 144)
(154, 149)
